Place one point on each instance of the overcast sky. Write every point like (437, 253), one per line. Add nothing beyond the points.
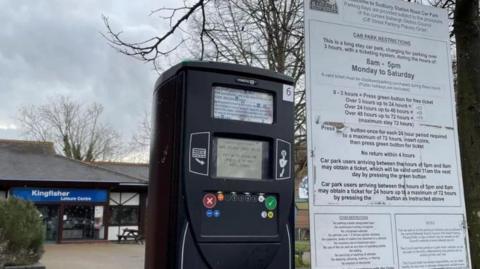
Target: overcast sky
(52, 47)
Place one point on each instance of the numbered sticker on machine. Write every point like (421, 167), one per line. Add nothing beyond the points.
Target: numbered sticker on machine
(288, 93)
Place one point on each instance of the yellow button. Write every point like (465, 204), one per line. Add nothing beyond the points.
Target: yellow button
(270, 214)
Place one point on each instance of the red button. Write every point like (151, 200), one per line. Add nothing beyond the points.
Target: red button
(209, 200)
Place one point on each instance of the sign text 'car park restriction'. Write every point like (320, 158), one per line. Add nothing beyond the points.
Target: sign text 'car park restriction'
(385, 180)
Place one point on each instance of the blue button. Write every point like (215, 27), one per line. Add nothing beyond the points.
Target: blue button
(209, 213)
(216, 213)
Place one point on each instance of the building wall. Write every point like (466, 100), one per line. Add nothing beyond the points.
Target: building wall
(302, 219)
(118, 199)
(302, 225)
(3, 195)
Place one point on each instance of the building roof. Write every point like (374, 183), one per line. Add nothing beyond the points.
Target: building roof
(37, 161)
(138, 170)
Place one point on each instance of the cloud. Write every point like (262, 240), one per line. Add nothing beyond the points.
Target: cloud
(9, 126)
(48, 48)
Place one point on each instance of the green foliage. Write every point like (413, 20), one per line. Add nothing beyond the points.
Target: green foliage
(21, 233)
(298, 261)
(300, 248)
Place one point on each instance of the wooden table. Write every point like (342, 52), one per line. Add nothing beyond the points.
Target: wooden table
(132, 234)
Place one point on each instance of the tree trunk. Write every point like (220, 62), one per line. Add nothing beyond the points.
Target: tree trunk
(467, 33)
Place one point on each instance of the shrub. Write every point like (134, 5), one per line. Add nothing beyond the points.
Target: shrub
(300, 248)
(21, 233)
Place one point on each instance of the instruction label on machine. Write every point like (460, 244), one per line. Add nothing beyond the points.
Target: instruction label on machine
(385, 188)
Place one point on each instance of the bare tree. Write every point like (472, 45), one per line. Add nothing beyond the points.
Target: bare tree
(260, 33)
(75, 129)
(152, 49)
(139, 146)
(267, 33)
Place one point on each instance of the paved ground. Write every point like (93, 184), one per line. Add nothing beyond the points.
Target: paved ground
(94, 256)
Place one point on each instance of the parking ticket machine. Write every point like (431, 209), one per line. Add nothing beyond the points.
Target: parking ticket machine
(221, 169)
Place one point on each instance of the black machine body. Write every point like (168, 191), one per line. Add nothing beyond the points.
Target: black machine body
(221, 170)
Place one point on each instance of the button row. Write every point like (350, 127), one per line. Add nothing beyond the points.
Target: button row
(268, 214)
(210, 200)
(271, 202)
(243, 198)
(213, 213)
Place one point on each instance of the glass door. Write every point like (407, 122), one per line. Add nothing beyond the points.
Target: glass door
(49, 214)
(83, 222)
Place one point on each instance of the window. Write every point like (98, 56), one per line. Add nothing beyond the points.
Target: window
(83, 222)
(124, 215)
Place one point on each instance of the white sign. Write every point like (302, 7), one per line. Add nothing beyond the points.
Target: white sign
(242, 105)
(288, 93)
(98, 211)
(386, 187)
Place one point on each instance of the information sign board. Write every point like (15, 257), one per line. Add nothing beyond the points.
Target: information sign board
(385, 181)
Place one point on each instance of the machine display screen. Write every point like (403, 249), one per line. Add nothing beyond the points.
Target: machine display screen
(242, 105)
(239, 158)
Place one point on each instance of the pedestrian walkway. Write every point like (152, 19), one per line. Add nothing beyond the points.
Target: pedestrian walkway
(94, 256)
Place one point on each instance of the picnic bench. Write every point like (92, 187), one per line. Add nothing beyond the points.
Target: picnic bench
(131, 234)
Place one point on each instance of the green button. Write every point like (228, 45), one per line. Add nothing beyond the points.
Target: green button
(271, 202)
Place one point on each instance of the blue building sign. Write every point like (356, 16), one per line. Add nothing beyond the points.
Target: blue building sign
(60, 195)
